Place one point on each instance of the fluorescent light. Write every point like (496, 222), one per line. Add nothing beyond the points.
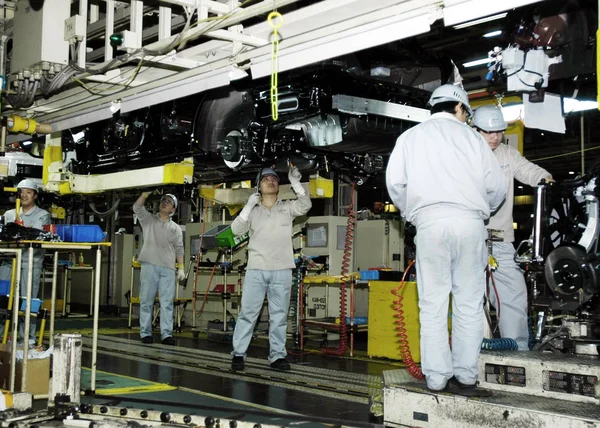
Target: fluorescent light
(26, 143)
(477, 62)
(519, 187)
(514, 112)
(481, 21)
(571, 172)
(571, 105)
(492, 34)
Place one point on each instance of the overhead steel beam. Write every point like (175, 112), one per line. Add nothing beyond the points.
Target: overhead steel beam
(224, 65)
(360, 33)
(459, 11)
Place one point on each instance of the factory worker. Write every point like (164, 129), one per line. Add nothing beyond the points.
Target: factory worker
(444, 179)
(163, 246)
(510, 282)
(30, 215)
(268, 220)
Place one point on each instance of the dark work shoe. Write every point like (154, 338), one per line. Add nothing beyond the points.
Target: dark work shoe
(457, 387)
(168, 341)
(458, 384)
(280, 364)
(237, 364)
(147, 339)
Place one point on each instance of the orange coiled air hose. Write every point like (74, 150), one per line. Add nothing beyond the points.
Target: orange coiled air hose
(346, 260)
(407, 359)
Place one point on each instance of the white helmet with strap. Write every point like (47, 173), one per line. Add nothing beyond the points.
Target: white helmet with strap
(28, 184)
(446, 93)
(173, 198)
(489, 118)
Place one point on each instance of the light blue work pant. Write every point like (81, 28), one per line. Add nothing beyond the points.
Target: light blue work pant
(451, 258)
(277, 286)
(512, 293)
(5, 274)
(162, 280)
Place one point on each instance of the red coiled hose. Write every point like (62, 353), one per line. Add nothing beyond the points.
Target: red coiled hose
(409, 363)
(346, 260)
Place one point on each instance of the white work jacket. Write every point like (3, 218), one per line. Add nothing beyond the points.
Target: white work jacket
(443, 168)
(514, 166)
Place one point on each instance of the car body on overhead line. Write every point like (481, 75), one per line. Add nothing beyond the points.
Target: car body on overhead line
(330, 118)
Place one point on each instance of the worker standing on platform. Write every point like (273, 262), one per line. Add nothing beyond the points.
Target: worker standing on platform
(508, 277)
(162, 247)
(445, 180)
(30, 215)
(270, 262)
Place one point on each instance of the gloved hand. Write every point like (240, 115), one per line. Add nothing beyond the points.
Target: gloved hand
(180, 274)
(146, 194)
(295, 176)
(253, 201)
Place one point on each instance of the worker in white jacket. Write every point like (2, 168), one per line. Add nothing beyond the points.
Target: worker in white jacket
(445, 180)
(509, 279)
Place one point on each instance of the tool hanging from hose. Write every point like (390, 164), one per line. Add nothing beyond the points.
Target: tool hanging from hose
(346, 259)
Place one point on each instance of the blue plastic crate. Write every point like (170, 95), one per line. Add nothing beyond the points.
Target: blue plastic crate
(87, 233)
(35, 305)
(358, 320)
(366, 275)
(64, 232)
(4, 287)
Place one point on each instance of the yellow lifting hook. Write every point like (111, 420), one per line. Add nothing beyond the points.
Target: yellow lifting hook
(271, 19)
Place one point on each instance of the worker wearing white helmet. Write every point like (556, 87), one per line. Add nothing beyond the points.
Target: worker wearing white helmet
(489, 121)
(30, 215)
(445, 180)
(163, 246)
(268, 220)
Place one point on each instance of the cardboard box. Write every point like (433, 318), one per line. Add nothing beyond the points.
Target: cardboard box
(47, 304)
(38, 372)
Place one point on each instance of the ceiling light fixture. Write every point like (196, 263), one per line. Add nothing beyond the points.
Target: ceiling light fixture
(571, 105)
(492, 34)
(512, 112)
(476, 62)
(481, 21)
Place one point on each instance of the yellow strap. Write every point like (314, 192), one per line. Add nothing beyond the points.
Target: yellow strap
(274, 65)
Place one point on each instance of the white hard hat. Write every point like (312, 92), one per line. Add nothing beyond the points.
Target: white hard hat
(28, 184)
(489, 118)
(173, 198)
(446, 93)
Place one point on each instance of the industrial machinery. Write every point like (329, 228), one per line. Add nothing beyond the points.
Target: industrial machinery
(323, 123)
(562, 264)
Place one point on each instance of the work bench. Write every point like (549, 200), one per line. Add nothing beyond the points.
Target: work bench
(16, 249)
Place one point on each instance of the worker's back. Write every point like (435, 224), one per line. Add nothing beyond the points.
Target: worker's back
(448, 169)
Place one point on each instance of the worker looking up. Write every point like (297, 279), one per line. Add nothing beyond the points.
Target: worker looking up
(33, 216)
(163, 245)
(444, 179)
(270, 262)
(510, 282)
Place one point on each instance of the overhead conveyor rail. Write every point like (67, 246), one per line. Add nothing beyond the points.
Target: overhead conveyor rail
(221, 45)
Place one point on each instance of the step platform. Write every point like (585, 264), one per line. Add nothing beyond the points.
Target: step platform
(408, 403)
